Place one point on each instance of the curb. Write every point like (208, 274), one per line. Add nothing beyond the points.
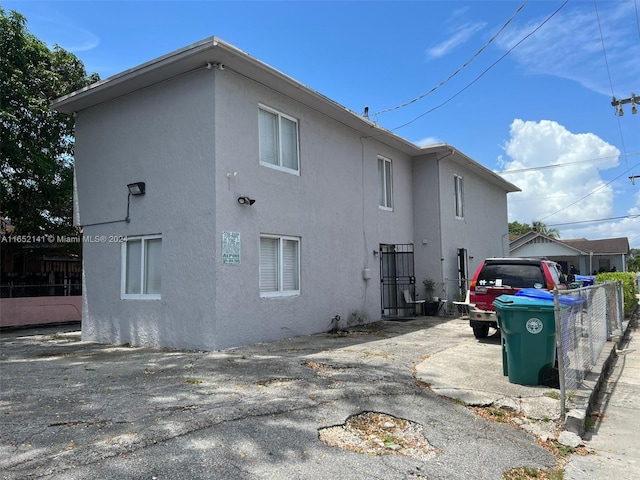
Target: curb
(595, 382)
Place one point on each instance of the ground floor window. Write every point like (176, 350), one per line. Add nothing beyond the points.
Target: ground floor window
(279, 265)
(141, 267)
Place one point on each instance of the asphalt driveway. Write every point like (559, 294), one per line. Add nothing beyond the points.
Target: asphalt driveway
(77, 410)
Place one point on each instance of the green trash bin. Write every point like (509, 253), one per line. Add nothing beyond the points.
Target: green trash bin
(528, 330)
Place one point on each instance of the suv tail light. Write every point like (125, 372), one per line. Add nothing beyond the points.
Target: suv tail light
(474, 288)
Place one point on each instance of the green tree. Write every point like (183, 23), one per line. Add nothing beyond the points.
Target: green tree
(540, 227)
(36, 159)
(517, 228)
(633, 263)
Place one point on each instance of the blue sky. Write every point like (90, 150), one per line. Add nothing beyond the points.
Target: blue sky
(533, 98)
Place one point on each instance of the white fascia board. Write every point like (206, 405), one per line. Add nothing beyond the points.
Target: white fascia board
(455, 155)
(215, 51)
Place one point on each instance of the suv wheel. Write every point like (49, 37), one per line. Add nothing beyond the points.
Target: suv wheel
(481, 331)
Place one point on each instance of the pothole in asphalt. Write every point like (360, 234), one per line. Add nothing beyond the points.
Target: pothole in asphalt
(324, 370)
(375, 433)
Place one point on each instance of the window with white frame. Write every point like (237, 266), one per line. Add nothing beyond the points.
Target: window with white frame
(278, 134)
(459, 196)
(385, 184)
(279, 265)
(141, 267)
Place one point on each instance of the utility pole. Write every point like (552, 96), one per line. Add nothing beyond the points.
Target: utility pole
(617, 104)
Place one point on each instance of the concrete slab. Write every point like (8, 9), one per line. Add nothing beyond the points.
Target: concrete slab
(472, 373)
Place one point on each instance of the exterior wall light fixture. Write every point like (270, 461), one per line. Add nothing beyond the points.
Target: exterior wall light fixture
(136, 188)
(246, 201)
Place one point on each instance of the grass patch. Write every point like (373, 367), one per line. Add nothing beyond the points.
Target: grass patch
(554, 395)
(192, 381)
(526, 473)
(497, 414)
(561, 450)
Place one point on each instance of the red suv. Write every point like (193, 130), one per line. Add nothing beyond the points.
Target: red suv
(505, 276)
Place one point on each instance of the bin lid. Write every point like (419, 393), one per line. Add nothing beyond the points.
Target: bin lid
(521, 302)
(586, 279)
(565, 300)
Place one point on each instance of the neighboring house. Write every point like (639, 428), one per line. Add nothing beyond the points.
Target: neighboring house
(266, 209)
(587, 256)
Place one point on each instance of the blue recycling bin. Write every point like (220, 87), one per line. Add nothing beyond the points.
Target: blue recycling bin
(585, 280)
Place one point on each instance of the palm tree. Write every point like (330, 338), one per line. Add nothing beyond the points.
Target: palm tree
(540, 227)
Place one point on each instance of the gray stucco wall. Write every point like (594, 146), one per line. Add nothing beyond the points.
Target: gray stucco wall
(332, 206)
(426, 221)
(182, 137)
(483, 231)
(163, 136)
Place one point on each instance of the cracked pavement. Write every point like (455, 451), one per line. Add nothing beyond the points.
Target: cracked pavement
(75, 410)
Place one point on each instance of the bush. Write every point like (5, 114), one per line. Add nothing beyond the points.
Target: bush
(629, 287)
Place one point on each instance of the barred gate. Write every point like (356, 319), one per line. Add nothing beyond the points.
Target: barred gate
(396, 275)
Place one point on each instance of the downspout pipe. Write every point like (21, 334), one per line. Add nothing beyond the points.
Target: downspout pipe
(440, 213)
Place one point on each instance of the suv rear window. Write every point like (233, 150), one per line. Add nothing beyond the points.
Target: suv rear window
(512, 275)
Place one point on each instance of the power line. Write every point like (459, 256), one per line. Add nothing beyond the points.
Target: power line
(593, 221)
(544, 167)
(637, 17)
(473, 57)
(589, 194)
(486, 70)
(546, 197)
(606, 62)
(604, 51)
(625, 155)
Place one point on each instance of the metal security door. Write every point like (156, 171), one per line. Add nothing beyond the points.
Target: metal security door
(397, 275)
(463, 273)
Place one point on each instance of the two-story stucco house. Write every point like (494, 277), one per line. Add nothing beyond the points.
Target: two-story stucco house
(224, 203)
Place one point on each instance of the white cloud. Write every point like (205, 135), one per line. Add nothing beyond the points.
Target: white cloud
(461, 34)
(423, 142)
(58, 28)
(570, 46)
(572, 192)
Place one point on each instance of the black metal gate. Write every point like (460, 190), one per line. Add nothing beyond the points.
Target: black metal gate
(396, 276)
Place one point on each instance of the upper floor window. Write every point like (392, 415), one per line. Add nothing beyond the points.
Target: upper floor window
(278, 140)
(141, 266)
(279, 265)
(385, 184)
(459, 196)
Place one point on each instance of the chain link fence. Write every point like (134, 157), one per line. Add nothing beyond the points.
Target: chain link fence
(584, 324)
